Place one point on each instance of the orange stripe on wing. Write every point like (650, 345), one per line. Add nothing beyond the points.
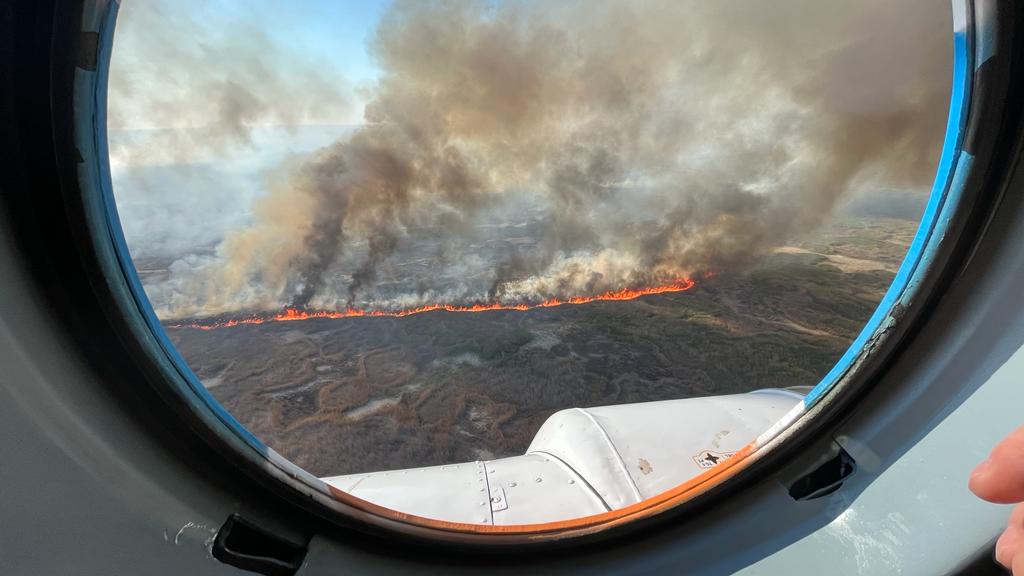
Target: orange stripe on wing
(575, 526)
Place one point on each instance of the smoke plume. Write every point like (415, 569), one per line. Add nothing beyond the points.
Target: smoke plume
(631, 142)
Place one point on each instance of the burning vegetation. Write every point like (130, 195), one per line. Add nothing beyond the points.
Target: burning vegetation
(294, 314)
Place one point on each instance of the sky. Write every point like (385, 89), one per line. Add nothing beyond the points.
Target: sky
(328, 37)
(336, 27)
(170, 156)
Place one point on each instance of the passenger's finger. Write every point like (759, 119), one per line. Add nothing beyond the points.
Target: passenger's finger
(1011, 542)
(1008, 546)
(1000, 479)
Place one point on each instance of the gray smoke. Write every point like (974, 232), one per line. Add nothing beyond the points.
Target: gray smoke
(649, 140)
(198, 89)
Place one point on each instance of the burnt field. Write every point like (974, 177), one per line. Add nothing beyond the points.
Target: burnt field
(350, 395)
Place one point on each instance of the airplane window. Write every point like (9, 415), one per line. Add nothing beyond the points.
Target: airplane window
(513, 262)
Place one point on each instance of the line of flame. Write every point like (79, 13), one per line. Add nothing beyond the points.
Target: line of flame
(294, 314)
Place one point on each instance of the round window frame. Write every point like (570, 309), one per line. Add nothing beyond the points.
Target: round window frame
(927, 265)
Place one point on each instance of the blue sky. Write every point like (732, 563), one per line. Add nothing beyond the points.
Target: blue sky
(159, 95)
(318, 28)
(168, 54)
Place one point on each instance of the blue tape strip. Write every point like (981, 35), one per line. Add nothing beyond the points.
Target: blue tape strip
(947, 188)
(198, 391)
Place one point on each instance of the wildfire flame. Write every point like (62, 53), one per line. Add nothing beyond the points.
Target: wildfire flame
(294, 314)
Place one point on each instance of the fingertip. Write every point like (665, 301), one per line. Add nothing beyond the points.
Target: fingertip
(980, 479)
(1008, 547)
(1000, 478)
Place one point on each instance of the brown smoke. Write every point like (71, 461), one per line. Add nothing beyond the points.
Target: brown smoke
(654, 139)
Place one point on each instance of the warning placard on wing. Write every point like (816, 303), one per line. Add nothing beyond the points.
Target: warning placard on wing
(709, 458)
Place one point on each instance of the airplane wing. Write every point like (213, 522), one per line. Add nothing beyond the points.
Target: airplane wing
(582, 461)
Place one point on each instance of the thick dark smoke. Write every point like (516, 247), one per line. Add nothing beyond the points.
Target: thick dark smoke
(649, 140)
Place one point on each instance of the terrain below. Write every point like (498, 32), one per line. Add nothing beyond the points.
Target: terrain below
(362, 394)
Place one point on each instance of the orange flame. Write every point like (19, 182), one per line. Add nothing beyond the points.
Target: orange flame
(294, 314)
